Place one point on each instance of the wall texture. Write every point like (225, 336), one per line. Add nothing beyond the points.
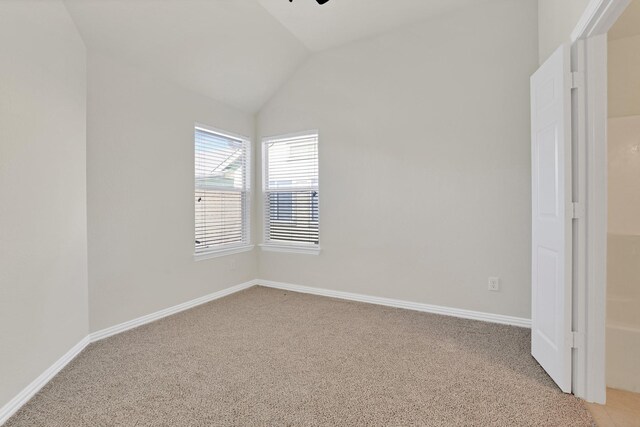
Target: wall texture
(624, 135)
(624, 83)
(424, 161)
(623, 253)
(43, 229)
(556, 21)
(140, 185)
(624, 175)
(623, 243)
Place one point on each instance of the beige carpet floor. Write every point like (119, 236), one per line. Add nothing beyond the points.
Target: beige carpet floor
(266, 357)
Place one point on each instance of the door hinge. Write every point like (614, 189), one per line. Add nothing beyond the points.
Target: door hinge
(577, 80)
(577, 210)
(577, 340)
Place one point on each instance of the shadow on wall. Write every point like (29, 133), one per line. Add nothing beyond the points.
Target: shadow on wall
(623, 263)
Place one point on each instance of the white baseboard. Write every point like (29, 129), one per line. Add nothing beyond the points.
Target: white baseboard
(23, 397)
(116, 329)
(427, 308)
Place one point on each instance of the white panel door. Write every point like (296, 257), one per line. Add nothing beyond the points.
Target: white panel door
(551, 337)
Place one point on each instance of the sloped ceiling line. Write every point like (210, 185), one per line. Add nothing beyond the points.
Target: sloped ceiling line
(238, 52)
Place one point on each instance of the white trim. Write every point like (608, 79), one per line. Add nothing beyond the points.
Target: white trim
(595, 285)
(217, 253)
(116, 329)
(292, 249)
(407, 305)
(598, 18)
(224, 133)
(25, 395)
(231, 248)
(289, 136)
(292, 190)
(28, 392)
(276, 246)
(580, 230)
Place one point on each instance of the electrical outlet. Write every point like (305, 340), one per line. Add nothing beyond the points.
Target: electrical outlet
(494, 284)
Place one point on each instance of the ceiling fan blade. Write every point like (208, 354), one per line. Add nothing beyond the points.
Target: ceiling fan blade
(319, 1)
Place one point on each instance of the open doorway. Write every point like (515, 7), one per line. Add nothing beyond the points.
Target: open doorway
(623, 233)
(623, 224)
(606, 47)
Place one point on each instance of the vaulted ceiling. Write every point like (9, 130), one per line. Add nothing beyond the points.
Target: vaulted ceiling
(341, 21)
(230, 50)
(237, 51)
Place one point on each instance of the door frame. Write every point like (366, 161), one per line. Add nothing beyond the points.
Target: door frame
(589, 57)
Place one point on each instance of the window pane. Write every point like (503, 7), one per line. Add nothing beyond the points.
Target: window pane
(221, 191)
(291, 189)
(282, 206)
(292, 163)
(295, 220)
(220, 161)
(219, 218)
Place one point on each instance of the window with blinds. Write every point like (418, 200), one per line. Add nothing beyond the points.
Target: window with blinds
(221, 191)
(291, 193)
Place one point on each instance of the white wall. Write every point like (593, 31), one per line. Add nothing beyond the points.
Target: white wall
(556, 21)
(140, 185)
(624, 175)
(623, 266)
(623, 253)
(623, 243)
(43, 229)
(424, 161)
(624, 84)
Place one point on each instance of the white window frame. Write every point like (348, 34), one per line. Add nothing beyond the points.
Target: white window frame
(283, 247)
(229, 248)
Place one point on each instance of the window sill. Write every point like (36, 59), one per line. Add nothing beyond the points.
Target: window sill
(217, 253)
(293, 249)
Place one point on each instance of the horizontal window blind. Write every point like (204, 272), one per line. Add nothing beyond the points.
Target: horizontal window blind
(291, 193)
(221, 191)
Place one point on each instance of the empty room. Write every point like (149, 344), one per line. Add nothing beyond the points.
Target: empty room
(319, 213)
